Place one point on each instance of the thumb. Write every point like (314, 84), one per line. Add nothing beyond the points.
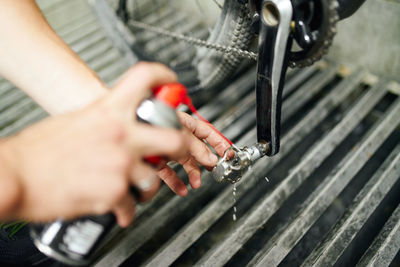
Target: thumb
(137, 84)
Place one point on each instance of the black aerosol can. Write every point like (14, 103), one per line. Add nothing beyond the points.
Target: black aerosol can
(75, 242)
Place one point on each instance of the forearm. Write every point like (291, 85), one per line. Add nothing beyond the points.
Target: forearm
(36, 60)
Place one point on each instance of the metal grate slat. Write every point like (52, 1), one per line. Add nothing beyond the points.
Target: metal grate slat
(386, 245)
(49, 6)
(364, 204)
(69, 11)
(81, 32)
(301, 76)
(34, 115)
(16, 111)
(5, 88)
(11, 98)
(105, 60)
(307, 91)
(96, 52)
(89, 41)
(83, 20)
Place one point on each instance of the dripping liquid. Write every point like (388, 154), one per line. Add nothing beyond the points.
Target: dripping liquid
(234, 202)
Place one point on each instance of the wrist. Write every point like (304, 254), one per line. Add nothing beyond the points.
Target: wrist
(10, 189)
(76, 95)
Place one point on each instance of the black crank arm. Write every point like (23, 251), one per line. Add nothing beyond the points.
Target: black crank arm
(273, 49)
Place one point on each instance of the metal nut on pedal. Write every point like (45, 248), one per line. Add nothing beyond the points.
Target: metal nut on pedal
(232, 170)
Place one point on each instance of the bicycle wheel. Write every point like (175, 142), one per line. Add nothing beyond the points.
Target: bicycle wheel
(201, 69)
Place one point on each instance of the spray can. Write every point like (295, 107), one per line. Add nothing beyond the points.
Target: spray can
(75, 242)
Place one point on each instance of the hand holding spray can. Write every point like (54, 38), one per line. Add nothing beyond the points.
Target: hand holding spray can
(75, 242)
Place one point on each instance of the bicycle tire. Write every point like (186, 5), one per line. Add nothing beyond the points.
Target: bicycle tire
(208, 69)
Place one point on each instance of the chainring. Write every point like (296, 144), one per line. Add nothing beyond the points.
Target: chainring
(322, 25)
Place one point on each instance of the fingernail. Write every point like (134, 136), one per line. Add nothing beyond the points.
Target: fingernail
(123, 223)
(196, 184)
(213, 158)
(183, 191)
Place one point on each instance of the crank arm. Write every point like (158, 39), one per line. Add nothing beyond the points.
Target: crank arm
(273, 48)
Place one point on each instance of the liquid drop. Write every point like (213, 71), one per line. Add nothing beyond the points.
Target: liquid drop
(234, 202)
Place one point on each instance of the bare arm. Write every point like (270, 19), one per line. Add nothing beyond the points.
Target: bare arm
(36, 60)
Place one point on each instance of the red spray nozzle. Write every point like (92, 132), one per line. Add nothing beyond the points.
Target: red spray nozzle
(174, 94)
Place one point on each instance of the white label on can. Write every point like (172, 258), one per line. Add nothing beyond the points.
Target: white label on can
(81, 236)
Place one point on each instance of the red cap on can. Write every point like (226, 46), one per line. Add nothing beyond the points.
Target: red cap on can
(172, 94)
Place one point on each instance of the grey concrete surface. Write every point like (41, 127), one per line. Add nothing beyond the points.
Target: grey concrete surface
(371, 38)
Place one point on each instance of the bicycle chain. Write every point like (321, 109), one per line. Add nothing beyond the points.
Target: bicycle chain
(193, 40)
(244, 53)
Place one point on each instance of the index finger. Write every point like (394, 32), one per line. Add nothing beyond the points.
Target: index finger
(203, 130)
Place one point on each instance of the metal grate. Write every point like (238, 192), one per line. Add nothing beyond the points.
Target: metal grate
(330, 197)
(339, 162)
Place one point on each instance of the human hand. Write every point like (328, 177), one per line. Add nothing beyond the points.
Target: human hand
(196, 131)
(84, 162)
